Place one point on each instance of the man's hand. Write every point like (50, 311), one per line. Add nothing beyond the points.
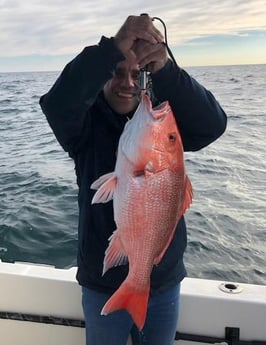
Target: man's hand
(137, 28)
(153, 56)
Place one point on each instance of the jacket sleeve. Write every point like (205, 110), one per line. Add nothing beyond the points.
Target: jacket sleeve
(67, 104)
(200, 118)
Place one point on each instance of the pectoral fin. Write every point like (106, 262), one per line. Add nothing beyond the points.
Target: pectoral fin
(106, 185)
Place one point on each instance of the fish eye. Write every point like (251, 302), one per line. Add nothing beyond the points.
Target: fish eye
(172, 137)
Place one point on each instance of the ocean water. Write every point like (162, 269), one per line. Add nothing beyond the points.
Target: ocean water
(226, 222)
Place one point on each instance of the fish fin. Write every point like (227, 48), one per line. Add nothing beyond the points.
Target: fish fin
(158, 259)
(127, 298)
(106, 185)
(115, 254)
(186, 204)
(149, 169)
(97, 183)
(188, 197)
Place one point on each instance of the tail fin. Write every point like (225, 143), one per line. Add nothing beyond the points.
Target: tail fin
(133, 301)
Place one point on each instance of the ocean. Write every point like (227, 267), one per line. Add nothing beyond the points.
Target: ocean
(226, 222)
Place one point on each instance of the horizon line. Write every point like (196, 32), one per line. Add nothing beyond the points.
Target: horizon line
(188, 66)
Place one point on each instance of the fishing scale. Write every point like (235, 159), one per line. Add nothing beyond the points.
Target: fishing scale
(144, 79)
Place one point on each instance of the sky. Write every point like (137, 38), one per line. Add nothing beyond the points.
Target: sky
(44, 35)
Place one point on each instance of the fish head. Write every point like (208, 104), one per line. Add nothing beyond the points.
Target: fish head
(152, 139)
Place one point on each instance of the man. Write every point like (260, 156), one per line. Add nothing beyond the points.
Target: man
(87, 108)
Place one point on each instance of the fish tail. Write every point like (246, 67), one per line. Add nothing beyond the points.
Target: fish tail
(135, 302)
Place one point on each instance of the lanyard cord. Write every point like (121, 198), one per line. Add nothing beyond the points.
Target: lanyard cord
(166, 40)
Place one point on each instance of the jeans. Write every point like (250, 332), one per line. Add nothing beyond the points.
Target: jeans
(114, 329)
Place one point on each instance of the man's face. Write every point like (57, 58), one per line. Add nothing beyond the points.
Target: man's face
(122, 91)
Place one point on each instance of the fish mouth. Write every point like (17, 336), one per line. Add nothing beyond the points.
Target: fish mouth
(160, 112)
(157, 113)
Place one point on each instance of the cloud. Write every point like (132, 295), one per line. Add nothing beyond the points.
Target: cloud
(45, 35)
(64, 27)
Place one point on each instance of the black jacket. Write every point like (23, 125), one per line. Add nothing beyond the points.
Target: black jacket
(89, 131)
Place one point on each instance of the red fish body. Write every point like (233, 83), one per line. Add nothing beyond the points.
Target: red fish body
(150, 192)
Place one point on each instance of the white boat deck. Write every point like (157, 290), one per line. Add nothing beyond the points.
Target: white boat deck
(206, 310)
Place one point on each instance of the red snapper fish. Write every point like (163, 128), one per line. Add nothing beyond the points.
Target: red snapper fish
(150, 192)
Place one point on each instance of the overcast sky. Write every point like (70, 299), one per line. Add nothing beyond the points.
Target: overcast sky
(45, 35)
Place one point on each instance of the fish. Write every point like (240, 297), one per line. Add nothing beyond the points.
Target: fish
(150, 191)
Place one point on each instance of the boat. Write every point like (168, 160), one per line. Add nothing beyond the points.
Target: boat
(41, 305)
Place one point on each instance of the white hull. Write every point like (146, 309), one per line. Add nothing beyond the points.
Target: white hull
(206, 310)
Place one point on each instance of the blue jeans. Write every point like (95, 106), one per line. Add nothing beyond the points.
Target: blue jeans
(114, 329)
